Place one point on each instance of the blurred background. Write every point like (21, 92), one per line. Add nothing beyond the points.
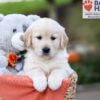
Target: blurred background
(84, 38)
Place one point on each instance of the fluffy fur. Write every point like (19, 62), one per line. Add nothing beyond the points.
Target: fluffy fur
(46, 69)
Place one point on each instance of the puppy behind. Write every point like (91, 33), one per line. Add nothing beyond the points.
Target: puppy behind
(46, 59)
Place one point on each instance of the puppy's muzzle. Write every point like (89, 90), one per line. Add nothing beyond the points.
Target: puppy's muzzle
(46, 50)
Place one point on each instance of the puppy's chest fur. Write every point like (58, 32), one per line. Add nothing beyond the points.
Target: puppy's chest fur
(58, 62)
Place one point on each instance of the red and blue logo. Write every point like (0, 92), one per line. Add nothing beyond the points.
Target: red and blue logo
(88, 5)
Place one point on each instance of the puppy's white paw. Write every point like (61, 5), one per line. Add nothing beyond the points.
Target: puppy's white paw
(54, 83)
(40, 84)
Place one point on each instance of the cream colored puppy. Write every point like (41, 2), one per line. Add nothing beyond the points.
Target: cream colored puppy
(46, 59)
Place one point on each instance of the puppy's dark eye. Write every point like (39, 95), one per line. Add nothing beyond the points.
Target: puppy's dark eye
(53, 38)
(39, 37)
(14, 30)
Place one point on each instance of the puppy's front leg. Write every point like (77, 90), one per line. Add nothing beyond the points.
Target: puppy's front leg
(39, 79)
(55, 78)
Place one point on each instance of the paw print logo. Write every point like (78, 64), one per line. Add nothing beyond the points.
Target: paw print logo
(87, 5)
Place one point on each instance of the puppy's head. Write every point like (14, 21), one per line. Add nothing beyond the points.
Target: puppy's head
(46, 38)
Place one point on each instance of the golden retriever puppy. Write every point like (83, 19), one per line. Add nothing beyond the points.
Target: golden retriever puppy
(46, 59)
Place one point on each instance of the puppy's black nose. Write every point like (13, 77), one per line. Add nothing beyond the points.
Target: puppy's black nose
(46, 50)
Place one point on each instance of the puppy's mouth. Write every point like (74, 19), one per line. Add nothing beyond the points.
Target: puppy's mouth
(46, 56)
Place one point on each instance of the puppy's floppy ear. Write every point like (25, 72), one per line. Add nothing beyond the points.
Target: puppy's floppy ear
(27, 38)
(64, 40)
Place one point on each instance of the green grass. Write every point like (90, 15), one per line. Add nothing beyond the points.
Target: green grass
(62, 2)
(22, 7)
(28, 7)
